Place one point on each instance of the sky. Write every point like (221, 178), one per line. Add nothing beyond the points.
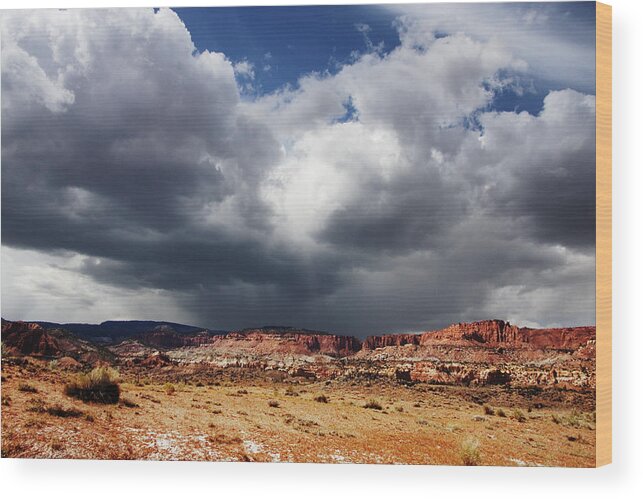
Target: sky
(354, 169)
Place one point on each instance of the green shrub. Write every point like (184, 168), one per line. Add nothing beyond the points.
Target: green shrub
(322, 398)
(169, 388)
(501, 413)
(488, 410)
(99, 385)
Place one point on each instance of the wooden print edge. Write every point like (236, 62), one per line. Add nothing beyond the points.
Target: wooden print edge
(603, 234)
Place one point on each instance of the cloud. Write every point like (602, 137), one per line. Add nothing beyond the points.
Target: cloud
(555, 38)
(132, 167)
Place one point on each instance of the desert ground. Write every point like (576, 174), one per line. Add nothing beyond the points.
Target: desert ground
(192, 413)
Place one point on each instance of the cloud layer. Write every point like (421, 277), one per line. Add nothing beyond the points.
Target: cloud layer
(389, 196)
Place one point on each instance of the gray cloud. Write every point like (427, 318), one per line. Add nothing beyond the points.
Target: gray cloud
(130, 165)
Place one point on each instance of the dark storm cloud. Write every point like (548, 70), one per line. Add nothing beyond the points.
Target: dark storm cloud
(131, 160)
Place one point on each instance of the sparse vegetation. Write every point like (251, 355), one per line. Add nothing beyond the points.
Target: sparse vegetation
(11, 445)
(519, 416)
(291, 392)
(264, 418)
(373, 404)
(99, 385)
(40, 407)
(576, 419)
(56, 444)
(470, 451)
(128, 403)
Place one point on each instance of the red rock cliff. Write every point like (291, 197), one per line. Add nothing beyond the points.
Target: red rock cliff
(290, 341)
(27, 338)
(490, 333)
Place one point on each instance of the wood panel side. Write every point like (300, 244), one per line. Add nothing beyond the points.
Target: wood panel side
(603, 234)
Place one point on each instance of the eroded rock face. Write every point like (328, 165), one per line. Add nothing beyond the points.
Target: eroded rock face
(490, 352)
(157, 359)
(491, 333)
(389, 340)
(266, 341)
(28, 338)
(25, 338)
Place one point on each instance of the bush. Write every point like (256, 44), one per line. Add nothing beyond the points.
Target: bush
(24, 387)
(373, 404)
(38, 406)
(273, 403)
(322, 398)
(63, 412)
(169, 388)
(470, 451)
(519, 416)
(99, 385)
(291, 392)
(501, 413)
(488, 410)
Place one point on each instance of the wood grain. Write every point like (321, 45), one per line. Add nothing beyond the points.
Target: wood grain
(603, 234)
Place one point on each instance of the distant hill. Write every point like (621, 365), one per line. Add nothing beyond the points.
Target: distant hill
(114, 331)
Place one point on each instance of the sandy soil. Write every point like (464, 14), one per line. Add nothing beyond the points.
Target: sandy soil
(260, 420)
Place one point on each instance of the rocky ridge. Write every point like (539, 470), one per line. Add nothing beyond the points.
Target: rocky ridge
(492, 352)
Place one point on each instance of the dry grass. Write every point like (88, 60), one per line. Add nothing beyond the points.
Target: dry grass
(519, 416)
(291, 392)
(40, 407)
(99, 385)
(373, 404)
(27, 388)
(470, 451)
(194, 423)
